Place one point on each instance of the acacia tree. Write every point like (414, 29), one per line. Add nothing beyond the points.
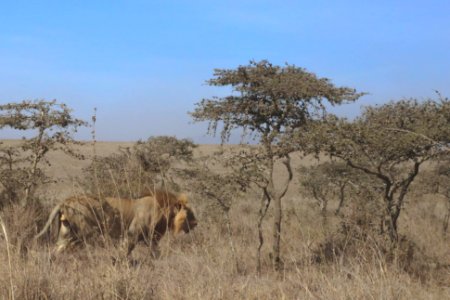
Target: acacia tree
(390, 143)
(267, 103)
(53, 124)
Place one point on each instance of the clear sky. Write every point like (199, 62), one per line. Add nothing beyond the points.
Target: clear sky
(144, 64)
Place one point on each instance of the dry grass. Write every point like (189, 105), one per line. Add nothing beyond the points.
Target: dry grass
(199, 265)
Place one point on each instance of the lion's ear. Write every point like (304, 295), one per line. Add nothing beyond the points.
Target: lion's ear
(182, 199)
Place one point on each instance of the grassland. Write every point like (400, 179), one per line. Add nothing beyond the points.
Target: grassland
(200, 265)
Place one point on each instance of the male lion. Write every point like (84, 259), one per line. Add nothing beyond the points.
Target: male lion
(83, 218)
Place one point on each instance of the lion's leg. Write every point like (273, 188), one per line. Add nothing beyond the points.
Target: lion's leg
(128, 244)
(131, 244)
(154, 248)
(131, 237)
(152, 243)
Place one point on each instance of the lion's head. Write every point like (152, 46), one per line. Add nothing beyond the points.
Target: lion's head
(184, 218)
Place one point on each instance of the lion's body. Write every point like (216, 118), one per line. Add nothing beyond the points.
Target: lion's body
(147, 219)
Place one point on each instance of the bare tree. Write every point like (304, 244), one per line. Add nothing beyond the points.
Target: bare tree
(267, 103)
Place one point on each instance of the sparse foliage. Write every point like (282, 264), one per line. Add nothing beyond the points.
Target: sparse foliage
(12, 177)
(139, 169)
(268, 102)
(53, 125)
(159, 154)
(390, 143)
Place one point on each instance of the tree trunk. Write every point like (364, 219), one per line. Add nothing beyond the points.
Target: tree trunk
(265, 202)
(278, 213)
(277, 234)
(38, 154)
(390, 220)
(395, 206)
(392, 226)
(341, 199)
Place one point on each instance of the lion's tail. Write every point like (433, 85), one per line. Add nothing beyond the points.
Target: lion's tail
(55, 212)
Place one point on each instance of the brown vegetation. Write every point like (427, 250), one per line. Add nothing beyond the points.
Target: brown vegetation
(198, 265)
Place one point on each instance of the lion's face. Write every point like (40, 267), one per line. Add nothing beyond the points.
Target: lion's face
(184, 220)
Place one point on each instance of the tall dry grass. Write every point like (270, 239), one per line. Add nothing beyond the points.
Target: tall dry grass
(200, 265)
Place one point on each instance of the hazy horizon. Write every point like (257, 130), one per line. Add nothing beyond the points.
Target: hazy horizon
(143, 65)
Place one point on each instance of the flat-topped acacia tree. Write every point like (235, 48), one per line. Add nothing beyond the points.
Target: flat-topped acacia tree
(267, 103)
(390, 143)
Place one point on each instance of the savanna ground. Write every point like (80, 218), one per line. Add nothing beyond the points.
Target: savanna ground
(200, 265)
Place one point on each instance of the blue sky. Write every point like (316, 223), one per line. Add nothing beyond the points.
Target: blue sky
(144, 64)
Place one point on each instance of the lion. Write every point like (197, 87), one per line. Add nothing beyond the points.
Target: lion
(83, 219)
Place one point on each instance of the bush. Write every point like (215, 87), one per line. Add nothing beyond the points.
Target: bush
(136, 171)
